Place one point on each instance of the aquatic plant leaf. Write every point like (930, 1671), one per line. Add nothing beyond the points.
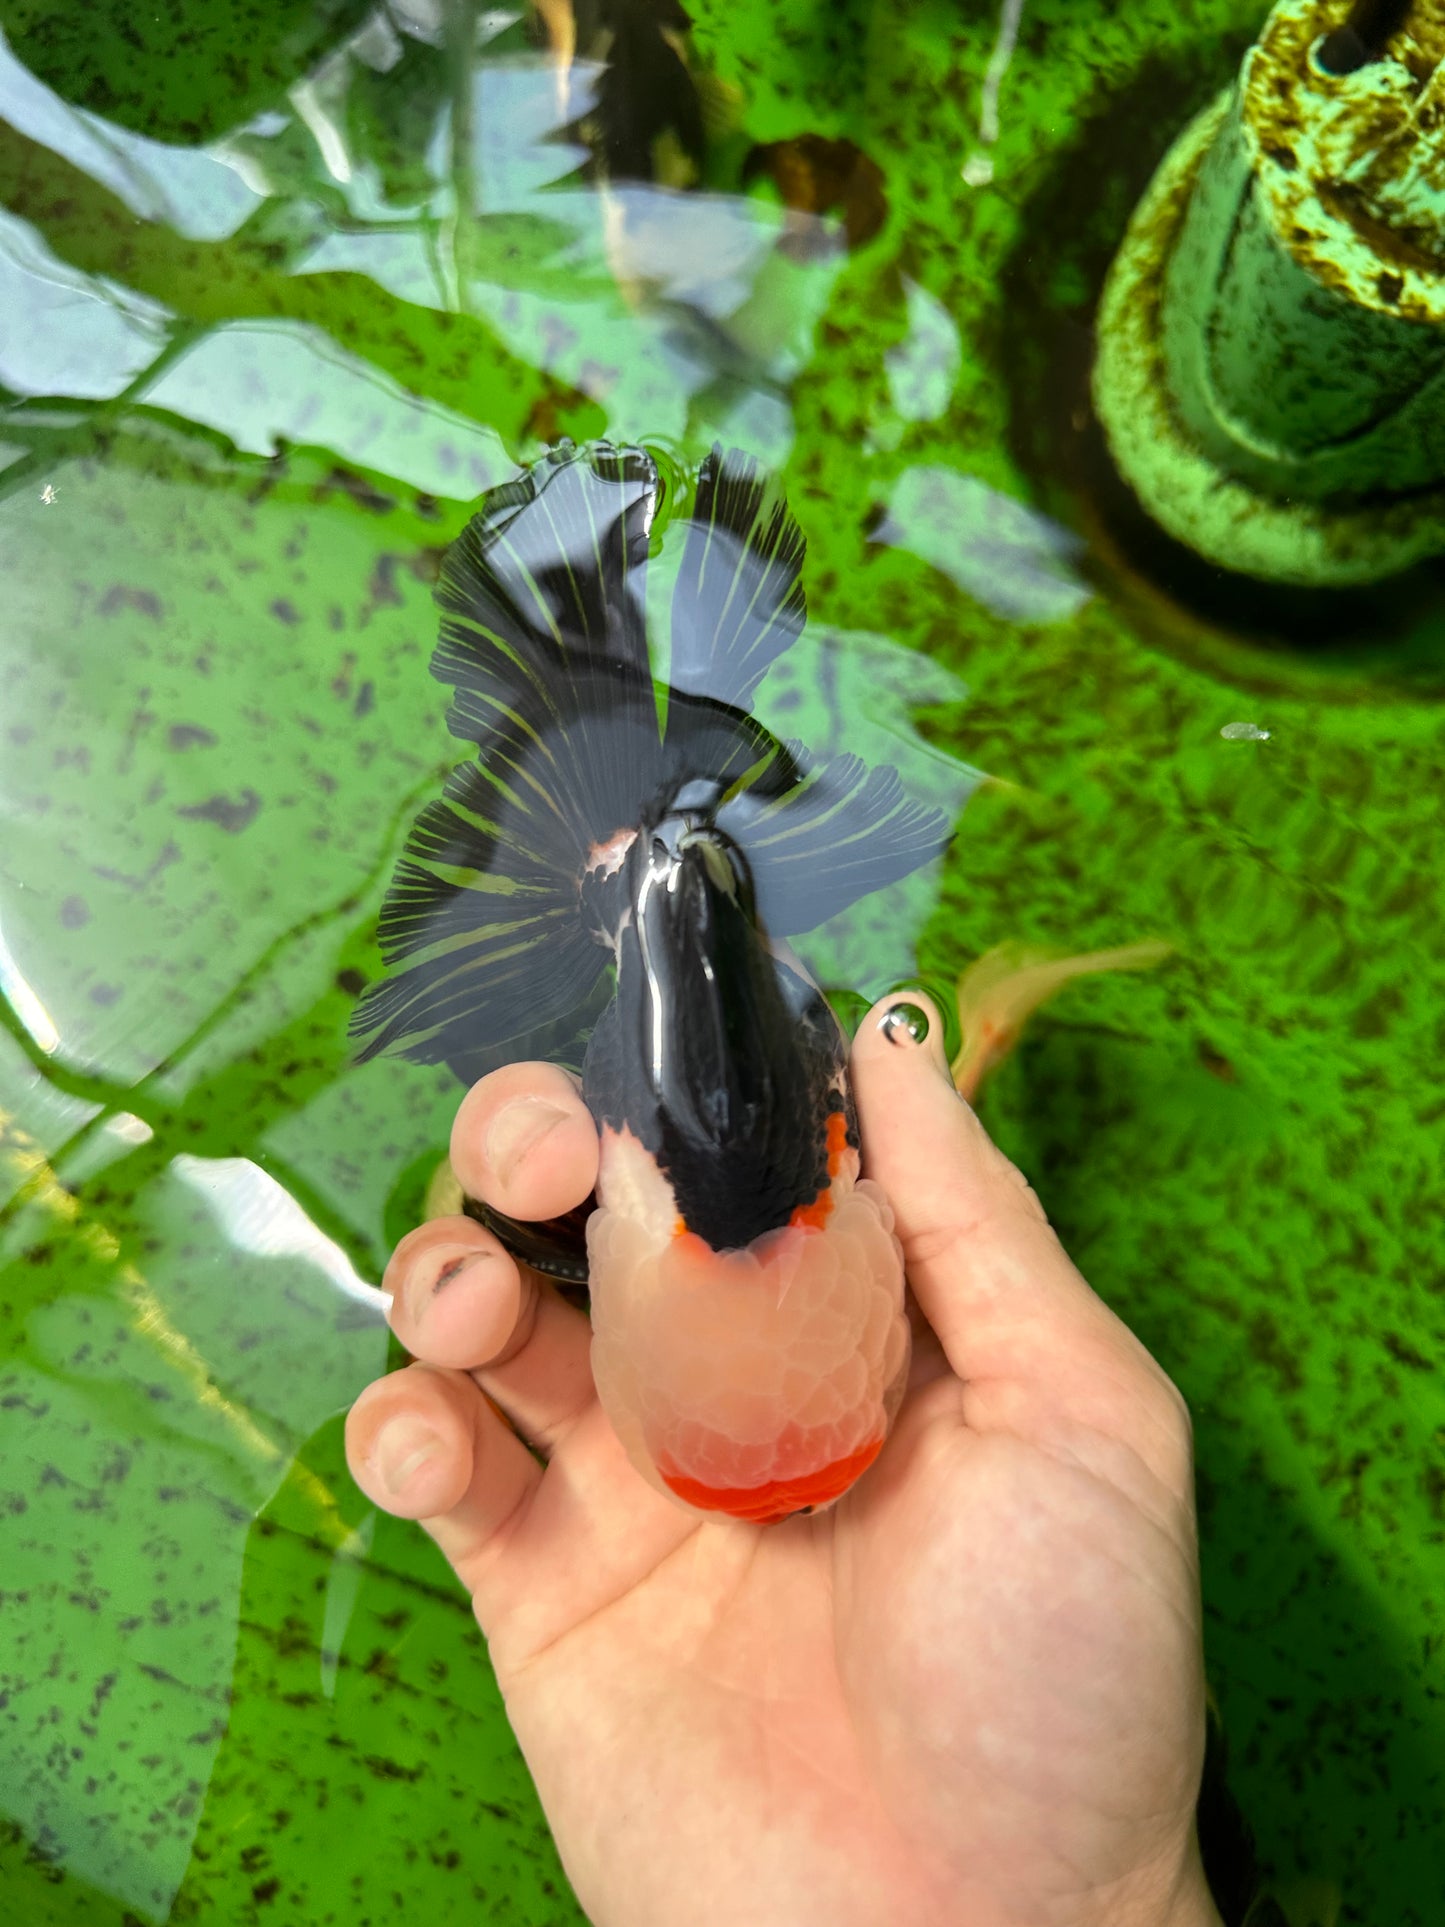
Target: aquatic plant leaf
(92, 339)
(739, 601)
(255, 274)
(843, 832)
(107, 59)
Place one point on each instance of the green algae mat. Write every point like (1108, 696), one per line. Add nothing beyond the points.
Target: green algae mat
(282, 290)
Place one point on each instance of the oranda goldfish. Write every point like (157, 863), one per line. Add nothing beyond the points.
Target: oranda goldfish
(610, 881)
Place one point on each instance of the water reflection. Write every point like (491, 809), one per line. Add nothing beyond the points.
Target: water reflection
(1015, 561)
(192, 191)
(268, 385)
(29, 1011)
(924, 367)
(254, 1213)
(63, 332)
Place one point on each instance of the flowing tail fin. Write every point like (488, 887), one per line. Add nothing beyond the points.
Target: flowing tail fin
(739, 600)
(843, 831)
(544, 587)
(495, 948)
(839, 830)
(544, 643)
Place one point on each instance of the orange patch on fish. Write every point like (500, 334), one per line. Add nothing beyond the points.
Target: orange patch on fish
(816, 1213)
(765, 1504)
(809, 1216)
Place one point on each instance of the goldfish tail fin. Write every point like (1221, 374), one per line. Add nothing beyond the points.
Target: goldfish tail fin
(481, 927)
(496, 925)
(739, 601)
(843, 832)
(544, 642)
(543, 589)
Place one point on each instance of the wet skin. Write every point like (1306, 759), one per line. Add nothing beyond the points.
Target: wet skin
(971, 1693)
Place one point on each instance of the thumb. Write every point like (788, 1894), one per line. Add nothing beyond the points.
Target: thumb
(1033, 1344)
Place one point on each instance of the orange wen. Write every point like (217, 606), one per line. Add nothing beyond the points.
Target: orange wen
(764, 1504)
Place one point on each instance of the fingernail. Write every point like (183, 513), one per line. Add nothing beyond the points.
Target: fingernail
(402, 1449)
(517, 1129)
(904, 1024)
(434, 1270)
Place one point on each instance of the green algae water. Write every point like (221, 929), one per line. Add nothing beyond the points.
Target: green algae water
(282, 291)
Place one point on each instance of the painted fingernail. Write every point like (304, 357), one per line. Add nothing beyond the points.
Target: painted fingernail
(905, 1024)
(518, 1128)
(402, 1449)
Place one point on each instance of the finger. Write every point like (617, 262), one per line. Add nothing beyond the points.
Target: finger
(460, 1300)
(525, 1143)
(1017, 1321)
(424, 1444)
(927, 1360)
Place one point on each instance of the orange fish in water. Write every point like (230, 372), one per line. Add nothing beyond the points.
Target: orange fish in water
(619, 867)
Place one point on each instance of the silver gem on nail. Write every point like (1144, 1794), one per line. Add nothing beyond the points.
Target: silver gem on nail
(904, 1022)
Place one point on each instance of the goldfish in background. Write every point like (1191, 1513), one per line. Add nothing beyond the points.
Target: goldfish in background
(618, 868)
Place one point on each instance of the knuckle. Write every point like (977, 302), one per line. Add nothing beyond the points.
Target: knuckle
(1023, 1193)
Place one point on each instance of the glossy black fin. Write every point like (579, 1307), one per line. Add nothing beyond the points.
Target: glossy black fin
(738, 602)
(843, 832)
(497, 925)
(556, 1246)
(545, 586)
(544, 641)
(483, 913)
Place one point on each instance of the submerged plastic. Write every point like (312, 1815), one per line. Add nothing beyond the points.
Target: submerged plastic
(617, 833)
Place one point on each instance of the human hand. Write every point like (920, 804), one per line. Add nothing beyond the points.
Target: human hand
(969, 1695)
